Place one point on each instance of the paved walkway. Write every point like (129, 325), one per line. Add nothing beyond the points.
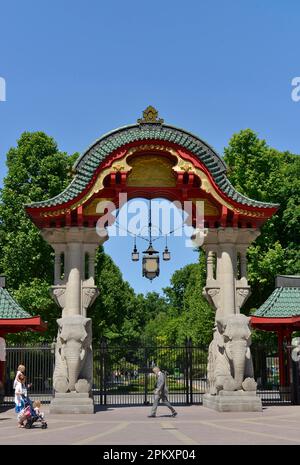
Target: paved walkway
(130, 425)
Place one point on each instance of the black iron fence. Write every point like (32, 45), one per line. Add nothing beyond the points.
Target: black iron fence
(39, 363)
(267, 375)
(123, 375)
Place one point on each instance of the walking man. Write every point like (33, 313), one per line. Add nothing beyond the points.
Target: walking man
(161, 393)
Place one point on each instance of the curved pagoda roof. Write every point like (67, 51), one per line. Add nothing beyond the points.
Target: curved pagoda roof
(152, 129)
(282, 308)
(13, 318)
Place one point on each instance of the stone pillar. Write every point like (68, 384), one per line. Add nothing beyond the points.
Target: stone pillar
(243, 262)
(57, 266)
(91, 253)
(73, 371)
(231, 385)
(226, 278)
(74, 277)
(210, 265)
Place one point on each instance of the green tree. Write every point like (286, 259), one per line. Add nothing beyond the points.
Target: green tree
(115, 298)
(37, 170)
(188, 313)
(265, 174)
(141, 310)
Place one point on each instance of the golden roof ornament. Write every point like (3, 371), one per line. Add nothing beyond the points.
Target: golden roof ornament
(150, 116)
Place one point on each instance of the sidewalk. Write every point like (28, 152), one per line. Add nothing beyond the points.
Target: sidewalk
(130, 425)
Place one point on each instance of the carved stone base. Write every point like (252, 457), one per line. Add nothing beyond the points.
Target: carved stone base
(233, 401)
(72, 402)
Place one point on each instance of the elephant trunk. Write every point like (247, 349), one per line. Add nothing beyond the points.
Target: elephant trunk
(73, 359)
(73, 373)
(237, 352)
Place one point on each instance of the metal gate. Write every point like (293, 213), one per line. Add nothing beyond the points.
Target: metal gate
(266, 373)
(123, 375)
(39, 363)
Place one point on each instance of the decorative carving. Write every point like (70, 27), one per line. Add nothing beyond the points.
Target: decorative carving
(150, 115)
(213, 292)
(152, 147)
(242, 294)
(182, 165)
(89, 295)
(230, 365)
(91, 208)
(119, 167)
(212, 295)
(151, 171)
(255, 214)
(58, 295)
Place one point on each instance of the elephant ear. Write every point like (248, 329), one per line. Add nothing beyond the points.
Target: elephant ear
(221, 326)
(60, 327)
(62, 353)
(248, 337)
(87, 339)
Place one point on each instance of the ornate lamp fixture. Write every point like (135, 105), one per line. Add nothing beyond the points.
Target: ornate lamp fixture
(135, 254)
(166, 253)
(150, 263)
(150, 258)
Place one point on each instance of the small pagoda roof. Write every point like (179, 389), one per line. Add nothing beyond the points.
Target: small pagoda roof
(282, 308)
(13, 318)
(154, 130)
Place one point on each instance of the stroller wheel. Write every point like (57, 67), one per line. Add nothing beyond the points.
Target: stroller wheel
(28, 425)
(44, 425)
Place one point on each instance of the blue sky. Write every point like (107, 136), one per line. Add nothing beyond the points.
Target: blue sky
(79, 69)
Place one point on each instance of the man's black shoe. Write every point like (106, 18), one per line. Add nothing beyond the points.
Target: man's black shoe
(151, 416)
(174, 414)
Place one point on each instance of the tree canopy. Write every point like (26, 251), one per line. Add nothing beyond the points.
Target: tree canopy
(266, 174)
(37, 170)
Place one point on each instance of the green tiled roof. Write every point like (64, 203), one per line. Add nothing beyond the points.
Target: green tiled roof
(9, 308)
(96, 153)
(283, 302)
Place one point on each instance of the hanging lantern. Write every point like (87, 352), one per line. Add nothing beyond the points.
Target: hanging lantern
(166, 254)
(150, 263)
(135, 255)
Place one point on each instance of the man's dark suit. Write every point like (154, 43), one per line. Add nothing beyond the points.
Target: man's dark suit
(161, 393)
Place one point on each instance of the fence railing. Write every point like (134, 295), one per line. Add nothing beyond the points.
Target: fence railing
(39, 363)
(266, 373)
(123, 375)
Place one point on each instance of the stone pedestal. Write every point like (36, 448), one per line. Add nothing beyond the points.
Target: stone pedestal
(233, 401)
(72, 402)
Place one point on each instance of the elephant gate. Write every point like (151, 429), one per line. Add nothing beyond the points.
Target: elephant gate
(151, 159)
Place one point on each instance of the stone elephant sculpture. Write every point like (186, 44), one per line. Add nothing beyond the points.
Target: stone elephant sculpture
(230, 365)
(73, 355)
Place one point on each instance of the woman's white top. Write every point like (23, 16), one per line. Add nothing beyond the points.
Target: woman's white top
(18, 391)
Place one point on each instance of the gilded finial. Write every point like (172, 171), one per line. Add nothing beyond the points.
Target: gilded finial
(150, 115)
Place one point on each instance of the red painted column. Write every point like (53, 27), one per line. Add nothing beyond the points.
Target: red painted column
(282, 376)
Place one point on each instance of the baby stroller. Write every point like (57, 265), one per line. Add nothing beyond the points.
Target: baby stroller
(31, 415)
